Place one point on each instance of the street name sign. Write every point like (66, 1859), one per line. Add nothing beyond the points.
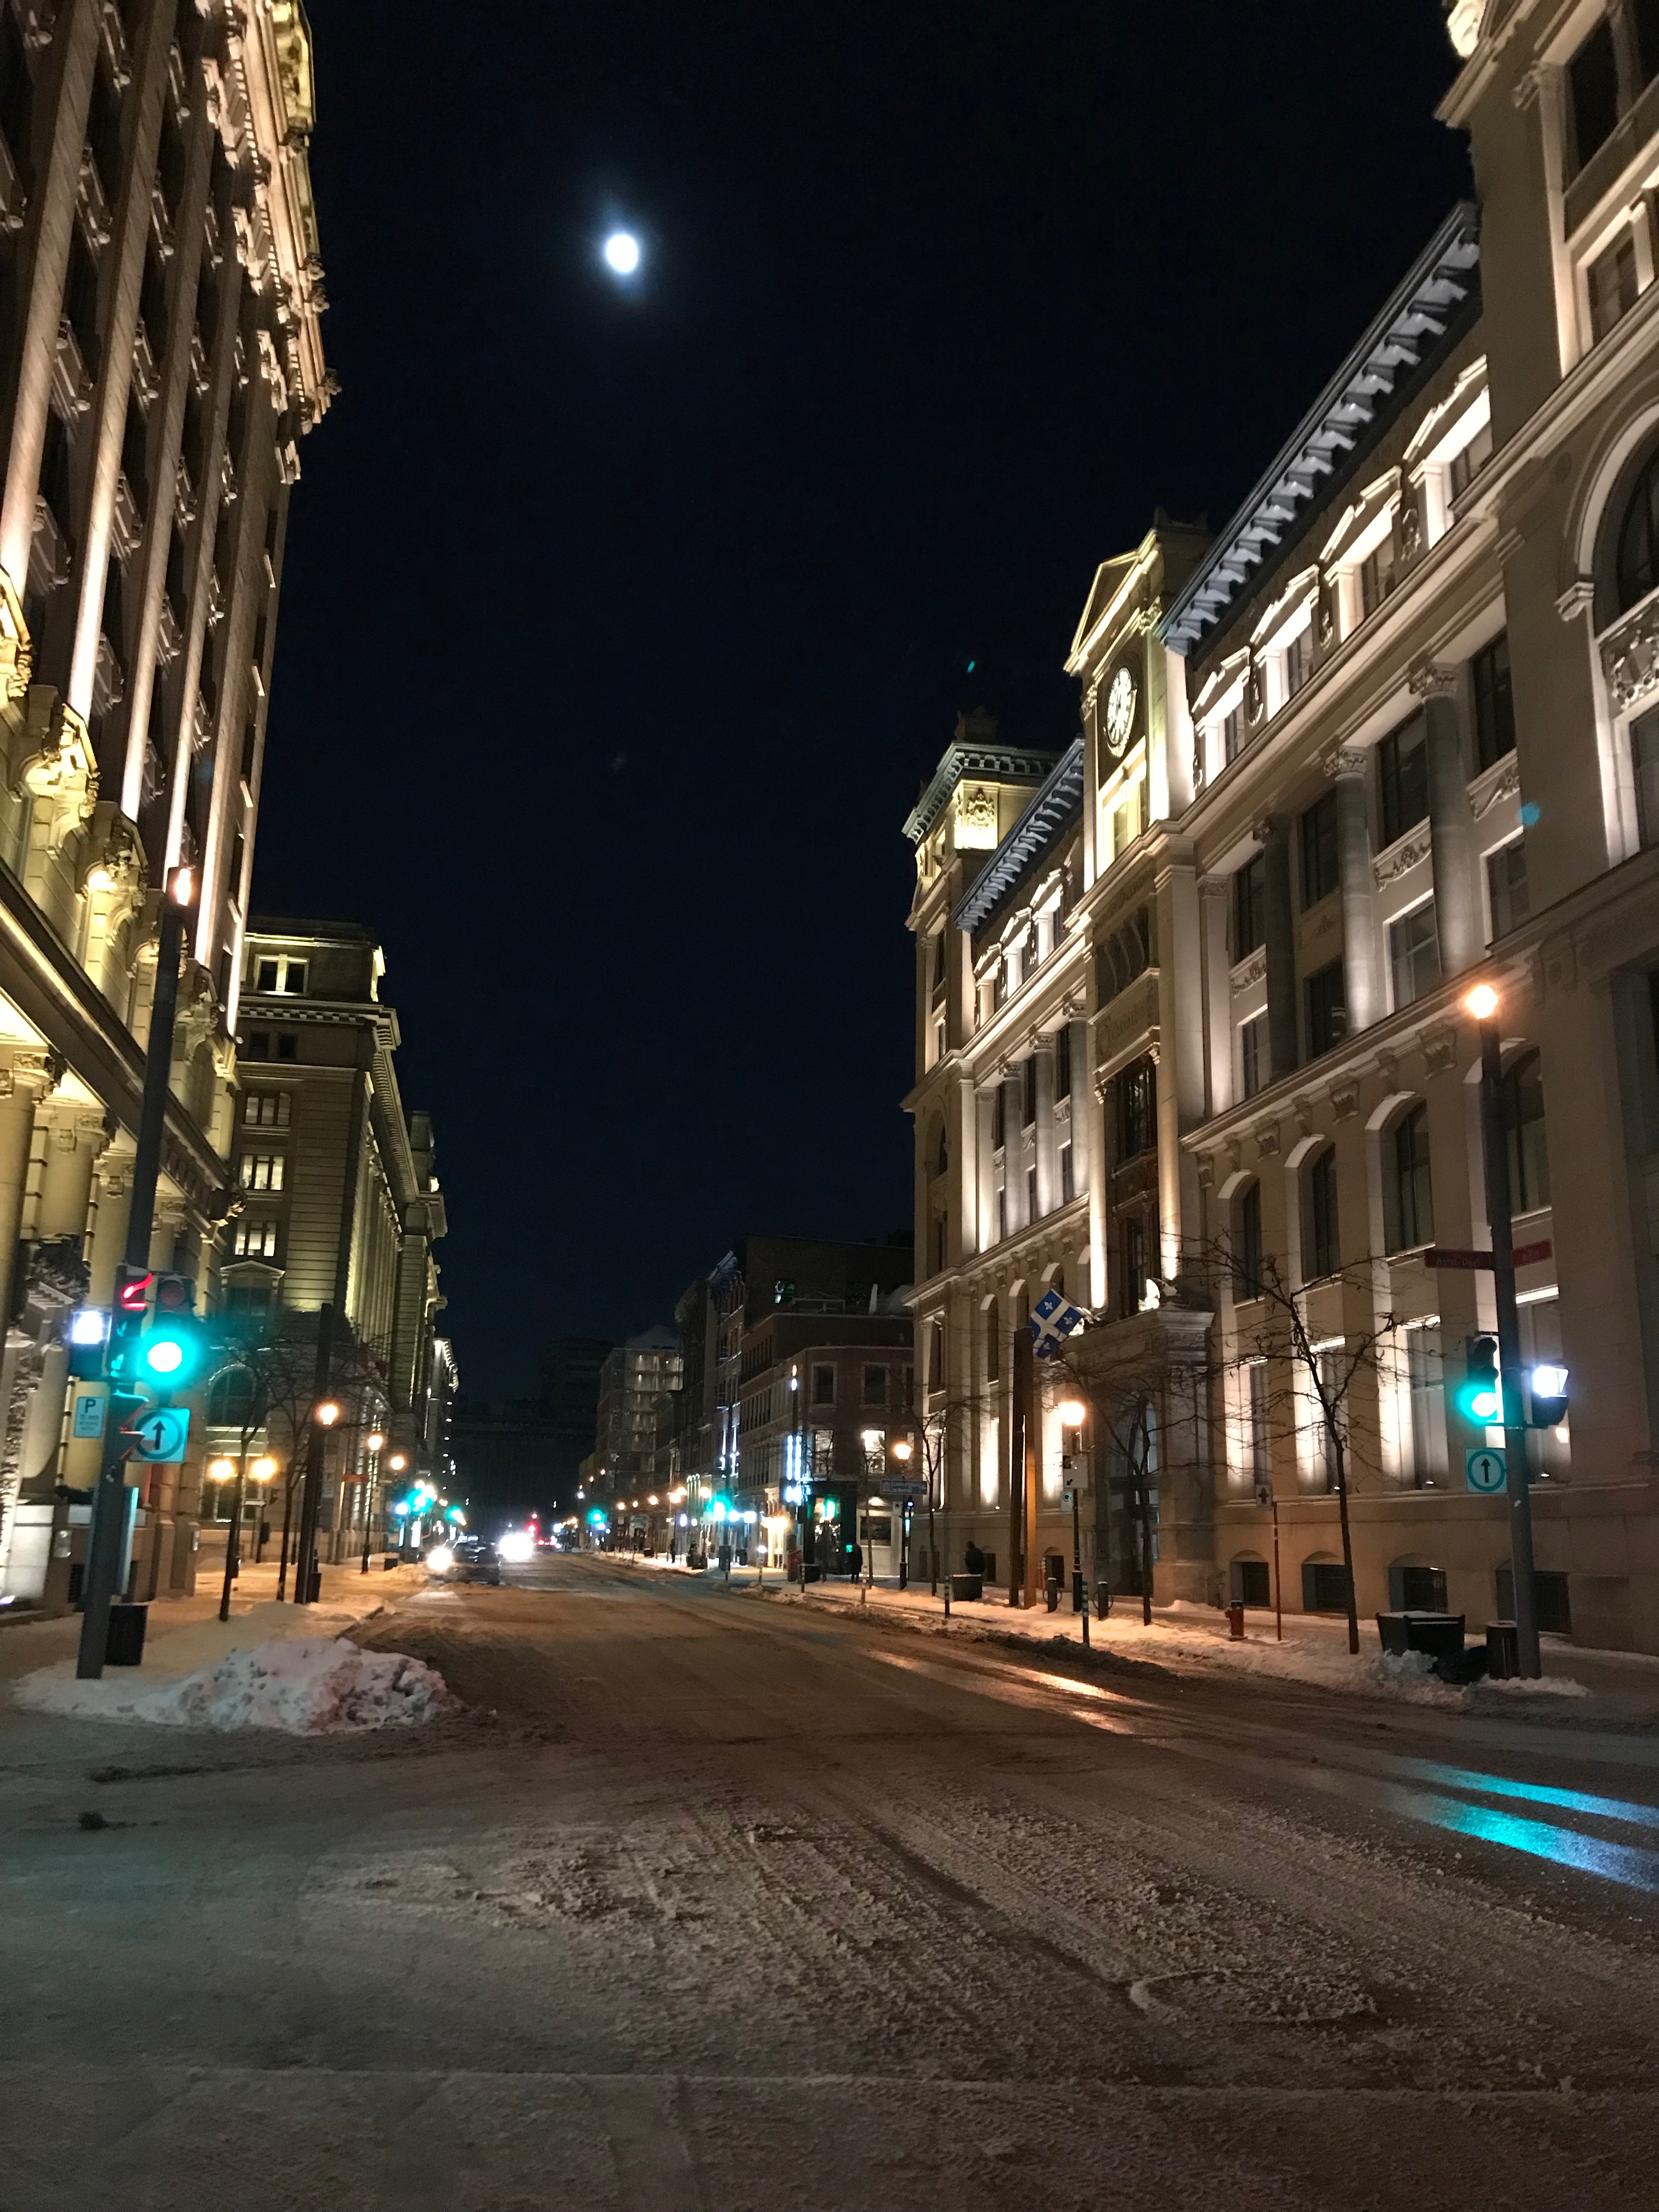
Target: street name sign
(1484, 1470)
(1454, 1256)
(908, 1492)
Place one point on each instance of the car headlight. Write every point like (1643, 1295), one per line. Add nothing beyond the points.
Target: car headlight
(439, 1559)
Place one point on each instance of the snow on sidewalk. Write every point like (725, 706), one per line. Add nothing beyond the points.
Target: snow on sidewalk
(300, 1685)
(1190, 1638)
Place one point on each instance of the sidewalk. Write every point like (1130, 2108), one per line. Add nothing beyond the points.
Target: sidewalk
(186, 1633)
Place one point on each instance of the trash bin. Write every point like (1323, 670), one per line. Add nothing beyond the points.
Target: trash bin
(1235, 1623)
(316, 1584)
(124, 1645)
(967, 1589)
(1503, 1650)
(1102, 1600)
(1437, 1635)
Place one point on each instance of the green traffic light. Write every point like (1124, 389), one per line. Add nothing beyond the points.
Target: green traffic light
(169, 1356)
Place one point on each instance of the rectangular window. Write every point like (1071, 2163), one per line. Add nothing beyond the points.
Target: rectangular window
(941, 1243)
(1377, 574)
(1247, 1243)
(1466, 463)
(257, 1044)
(1253, 1054)
(288, 1045)
(1506, 884)
(1132, 1253)
(1328, 1011)
(1610, 280)
(1063, 1060)
(1137, 1118)
(1324, 1587)
(1414, 1186)
(1424, 1380)
(1232, 735)
(1592, 94)
(1319, 862)
(256, 1240)
(293, 978)
(1402, 775)
(1030, 1194)
(267, 1109)
(1643, 15)
(262, 1171)
(1068, 1182)
(1494, 702)
(1250, 906)
(1298, 662)
(1414, 954)
(1645, 762)
(875, 1386)
(1027, 1093)
(1322, 1256)
(999, 1115)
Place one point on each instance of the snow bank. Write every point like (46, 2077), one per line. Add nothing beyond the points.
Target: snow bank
(300, 1686)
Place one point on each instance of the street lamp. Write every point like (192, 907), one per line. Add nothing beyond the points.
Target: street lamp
(327, 1414)
(1073, 1414)
(1482, 1003)
(375, 1442)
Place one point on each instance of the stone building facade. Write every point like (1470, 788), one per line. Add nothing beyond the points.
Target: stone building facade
(160, 359)
(1408, 704)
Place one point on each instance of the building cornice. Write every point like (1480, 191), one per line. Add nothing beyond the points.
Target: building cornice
(1049, 814)
(1420, 315)
(1001, 763)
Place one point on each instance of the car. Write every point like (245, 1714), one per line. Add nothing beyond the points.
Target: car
(469, 1559)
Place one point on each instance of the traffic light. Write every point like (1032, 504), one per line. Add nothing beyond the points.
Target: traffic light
(89, 1336)
(1480, 1400)
(171, 1350)
(131, 1306)
(1547, 1388)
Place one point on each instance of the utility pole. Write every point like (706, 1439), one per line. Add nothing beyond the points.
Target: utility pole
(111, 1503)
(1482, 1003)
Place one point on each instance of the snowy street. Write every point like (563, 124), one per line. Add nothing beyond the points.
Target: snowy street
(715, 1899)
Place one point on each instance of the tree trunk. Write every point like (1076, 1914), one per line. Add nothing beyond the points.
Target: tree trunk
(1347, 1538)
(1145, 1505)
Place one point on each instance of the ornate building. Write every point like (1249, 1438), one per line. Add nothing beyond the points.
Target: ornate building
(1401, 723)
(160, 359)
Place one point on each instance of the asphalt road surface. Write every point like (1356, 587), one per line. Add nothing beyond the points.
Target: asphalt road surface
(712, 1901)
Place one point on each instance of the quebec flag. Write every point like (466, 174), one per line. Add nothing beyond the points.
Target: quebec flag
(1053, 1320)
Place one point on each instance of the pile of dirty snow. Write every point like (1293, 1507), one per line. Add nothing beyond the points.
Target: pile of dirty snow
(302, 1685)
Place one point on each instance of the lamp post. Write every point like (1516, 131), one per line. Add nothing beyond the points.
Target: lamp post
(901, 1451)
(1482, 1004)
(263, 1471)
(220, 1471)
(305, 1571)
(374, 1443)
(1073, 1414)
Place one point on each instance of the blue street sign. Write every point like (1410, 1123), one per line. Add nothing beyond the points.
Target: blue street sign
(89, 1414)
(161, 1433)
(1053, 1321)
(1484, 1469)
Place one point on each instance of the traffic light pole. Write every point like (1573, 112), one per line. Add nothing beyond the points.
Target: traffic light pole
(109, 1503)
(1496, 1144)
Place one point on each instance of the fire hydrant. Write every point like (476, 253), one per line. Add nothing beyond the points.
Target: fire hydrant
(1235, 1623)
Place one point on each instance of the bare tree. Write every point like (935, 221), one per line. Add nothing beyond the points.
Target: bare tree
(1122, 1396)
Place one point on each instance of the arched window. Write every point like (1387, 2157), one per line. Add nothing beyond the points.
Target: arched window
(1247, 1243)
(1321, 1243)
(1411, 1188)
(1523, 1119)
(1636, 561)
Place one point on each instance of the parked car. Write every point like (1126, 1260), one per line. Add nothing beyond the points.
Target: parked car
(469, 1559)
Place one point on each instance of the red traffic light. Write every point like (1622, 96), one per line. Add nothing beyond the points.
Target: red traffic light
(132, 1288)
(174, 1294)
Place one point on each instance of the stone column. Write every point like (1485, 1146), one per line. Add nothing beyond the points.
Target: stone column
(1283, 1052)
(1042, 1051)
(1013, 1156)
(1451, 824)
(23, 1084)
(1362, 972)
(64, 81)
(985, 1196)
(1100, 1121)
(74, 1139)
(1213, 892)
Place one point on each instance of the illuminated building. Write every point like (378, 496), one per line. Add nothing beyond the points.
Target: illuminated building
(1408, 702)
(160, 362)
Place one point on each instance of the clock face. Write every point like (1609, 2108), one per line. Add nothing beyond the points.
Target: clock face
(1119, 709)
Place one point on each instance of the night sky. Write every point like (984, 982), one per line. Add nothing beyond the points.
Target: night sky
(620, 629)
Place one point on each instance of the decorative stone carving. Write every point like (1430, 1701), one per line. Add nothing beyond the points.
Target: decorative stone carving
(1304, 1115)
(1440, 1051)
(1251, 970)
(60, 773)
(1399, 857)
(1327, 621)
(1267, 1142)
(1411, 529)
(16, 654)
(1505, 784)
(1630, 656)
(1345, 1099)
(1344, 760)
(54, 1279)
(1206, 1172)
(1577, 599)
(1432, 679)
(1254, 698)
(31, 1069)
(976, 818)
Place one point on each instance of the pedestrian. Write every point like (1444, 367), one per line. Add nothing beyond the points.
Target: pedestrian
(974, 1559)
(856, 1561)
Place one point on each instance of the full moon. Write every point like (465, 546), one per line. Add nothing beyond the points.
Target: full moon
(622, 253)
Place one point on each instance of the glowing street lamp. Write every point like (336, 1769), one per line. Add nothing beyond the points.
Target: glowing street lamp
(621, 253)
(327, 1414)
(1073, 1414)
